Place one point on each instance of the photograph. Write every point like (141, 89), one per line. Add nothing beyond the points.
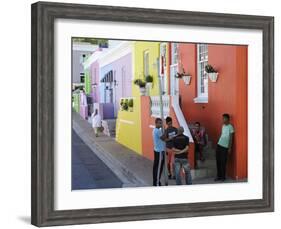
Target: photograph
(148, 114)
(158, 113)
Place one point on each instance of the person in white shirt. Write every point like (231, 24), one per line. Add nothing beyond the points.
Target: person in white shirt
(96, 122)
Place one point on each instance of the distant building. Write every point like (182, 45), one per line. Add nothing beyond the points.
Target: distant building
(80, 52)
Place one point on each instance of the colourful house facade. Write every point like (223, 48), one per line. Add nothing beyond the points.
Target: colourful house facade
(95, 76)
(116, 78)
(202, 100)
(207, 101)
(150, 105)
(110, 82)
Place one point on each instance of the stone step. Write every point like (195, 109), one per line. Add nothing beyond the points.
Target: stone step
(203, 173)
(205, 169)
(109, 127)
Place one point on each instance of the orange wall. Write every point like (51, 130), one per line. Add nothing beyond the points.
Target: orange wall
(147, 140)
(227, 95)
(146, 131)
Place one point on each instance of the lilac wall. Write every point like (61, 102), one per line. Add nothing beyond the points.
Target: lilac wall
(122, 72)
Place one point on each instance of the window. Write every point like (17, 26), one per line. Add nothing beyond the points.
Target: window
(202, 78)
(82, 77)
(174, 82)
(146, 63)
(174, 53)
(163, 66)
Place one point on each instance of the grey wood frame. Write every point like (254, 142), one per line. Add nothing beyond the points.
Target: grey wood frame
(42, 137)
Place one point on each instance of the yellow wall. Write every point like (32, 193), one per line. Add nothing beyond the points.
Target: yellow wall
(128, 127)
(128, 124)
(139, 48)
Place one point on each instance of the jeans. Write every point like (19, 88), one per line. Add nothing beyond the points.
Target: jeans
(182, 163)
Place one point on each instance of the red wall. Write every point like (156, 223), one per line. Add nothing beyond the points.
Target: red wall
(227, 95)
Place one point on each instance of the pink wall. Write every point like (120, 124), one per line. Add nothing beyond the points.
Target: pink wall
(95, 78)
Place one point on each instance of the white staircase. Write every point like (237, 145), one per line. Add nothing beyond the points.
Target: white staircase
(206, 168)
(109, 126)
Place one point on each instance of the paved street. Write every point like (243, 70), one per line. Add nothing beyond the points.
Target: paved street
(88, 171)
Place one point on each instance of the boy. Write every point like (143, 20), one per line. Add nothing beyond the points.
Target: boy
(200, 141)
(159, 152)
(170, 133)
(181, 144)
(224, 147)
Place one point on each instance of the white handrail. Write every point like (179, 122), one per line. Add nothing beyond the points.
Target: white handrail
(180, 117)
(155, 106)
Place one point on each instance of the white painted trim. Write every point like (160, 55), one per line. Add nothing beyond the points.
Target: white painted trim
(93, 58)
(180, 117)
(203, 96)
(200, 99)
(174, 82)
(127, 121)
(86, 47)
(124, 48)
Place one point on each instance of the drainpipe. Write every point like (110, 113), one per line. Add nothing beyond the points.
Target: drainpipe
(162, 117)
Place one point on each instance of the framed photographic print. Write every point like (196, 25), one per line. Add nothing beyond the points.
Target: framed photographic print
(142, 114)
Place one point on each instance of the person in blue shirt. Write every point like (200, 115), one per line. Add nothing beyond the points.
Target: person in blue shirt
(159, 151)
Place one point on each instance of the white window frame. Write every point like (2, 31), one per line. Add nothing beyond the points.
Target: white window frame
(146, 63)
(202, 61)
(174, 56)
(174, 82)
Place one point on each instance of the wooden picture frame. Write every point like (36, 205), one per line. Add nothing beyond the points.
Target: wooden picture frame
(43, 17)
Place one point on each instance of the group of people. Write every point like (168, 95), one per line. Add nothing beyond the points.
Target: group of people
(177, 145)
(172, 144)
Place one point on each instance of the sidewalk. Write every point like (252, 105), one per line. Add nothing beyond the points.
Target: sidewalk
(132, 169)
